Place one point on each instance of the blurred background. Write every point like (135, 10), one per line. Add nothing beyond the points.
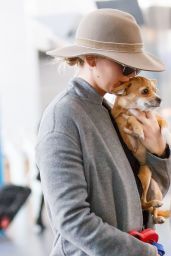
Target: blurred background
(30, 79)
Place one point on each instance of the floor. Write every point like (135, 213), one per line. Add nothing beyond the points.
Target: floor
(22, 239)
(164, 230)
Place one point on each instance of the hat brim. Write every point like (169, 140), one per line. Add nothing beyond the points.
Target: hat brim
(140, 60)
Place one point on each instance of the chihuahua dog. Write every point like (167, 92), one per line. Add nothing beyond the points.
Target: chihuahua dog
(140, 94)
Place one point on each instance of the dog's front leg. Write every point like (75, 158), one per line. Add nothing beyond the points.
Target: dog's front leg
(136, 127)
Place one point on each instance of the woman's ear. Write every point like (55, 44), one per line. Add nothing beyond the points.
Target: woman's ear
(91, 60)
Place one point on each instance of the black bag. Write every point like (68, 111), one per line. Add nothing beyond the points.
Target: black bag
(38, 176)
(12, 197)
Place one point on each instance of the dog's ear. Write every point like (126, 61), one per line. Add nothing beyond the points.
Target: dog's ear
(121, 90)
(154, 81)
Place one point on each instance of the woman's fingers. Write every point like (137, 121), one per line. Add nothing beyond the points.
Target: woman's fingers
(153, 139)
(151, 115)
(141, 116)
(144, 117)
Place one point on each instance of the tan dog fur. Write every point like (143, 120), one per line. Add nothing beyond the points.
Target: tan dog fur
(140, 93)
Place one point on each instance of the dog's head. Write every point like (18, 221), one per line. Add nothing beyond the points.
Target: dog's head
(139, 93)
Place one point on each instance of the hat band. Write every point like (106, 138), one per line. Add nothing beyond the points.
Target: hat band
(110, 46)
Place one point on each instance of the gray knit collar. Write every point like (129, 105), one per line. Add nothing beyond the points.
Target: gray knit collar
(85, 90)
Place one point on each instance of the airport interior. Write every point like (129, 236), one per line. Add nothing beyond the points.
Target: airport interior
(29, 81)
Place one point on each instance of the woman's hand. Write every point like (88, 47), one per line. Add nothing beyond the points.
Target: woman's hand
(153, 139)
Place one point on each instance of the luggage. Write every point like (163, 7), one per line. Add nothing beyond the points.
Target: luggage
(12, 198)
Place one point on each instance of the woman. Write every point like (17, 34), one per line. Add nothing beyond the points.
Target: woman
(89, 186)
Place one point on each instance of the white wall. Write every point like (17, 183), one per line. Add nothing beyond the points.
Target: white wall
(19, 85)
(18, 80)
(47, 7)
(52, 81)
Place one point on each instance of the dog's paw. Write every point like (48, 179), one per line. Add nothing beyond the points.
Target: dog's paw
(152, 203)
(158, 220)
(138, 133)
(128, 131)
(133, 112)
(141, 136)
(125, 116)
(156, 203)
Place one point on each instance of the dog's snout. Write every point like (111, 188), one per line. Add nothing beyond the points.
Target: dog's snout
(158, 100)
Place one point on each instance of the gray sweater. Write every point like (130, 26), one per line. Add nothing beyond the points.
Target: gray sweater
(89, 187)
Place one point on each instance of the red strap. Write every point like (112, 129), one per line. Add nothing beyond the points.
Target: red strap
(147, 235)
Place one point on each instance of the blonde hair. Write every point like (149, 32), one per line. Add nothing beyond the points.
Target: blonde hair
(79, 61)
(66, 62)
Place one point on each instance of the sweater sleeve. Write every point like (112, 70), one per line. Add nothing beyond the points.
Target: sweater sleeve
(161, 169)
(59, 159)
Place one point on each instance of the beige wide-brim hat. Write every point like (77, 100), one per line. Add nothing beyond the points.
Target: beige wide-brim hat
(113, 34)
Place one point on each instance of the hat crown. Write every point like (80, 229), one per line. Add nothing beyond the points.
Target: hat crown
(112, 34)
(109, 25)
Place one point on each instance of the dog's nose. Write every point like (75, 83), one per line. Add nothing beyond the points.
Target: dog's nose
(158, 100)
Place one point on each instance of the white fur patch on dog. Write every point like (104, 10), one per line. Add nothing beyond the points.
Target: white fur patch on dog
(141, 104)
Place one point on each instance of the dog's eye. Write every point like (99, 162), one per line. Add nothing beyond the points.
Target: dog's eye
(145, 91)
